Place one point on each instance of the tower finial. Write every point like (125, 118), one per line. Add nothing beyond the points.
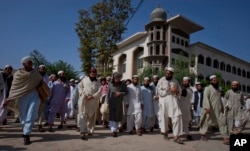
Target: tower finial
(159, 5)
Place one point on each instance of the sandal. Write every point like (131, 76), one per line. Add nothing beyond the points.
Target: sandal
(178, 141)
(83, 137)
(166, 137)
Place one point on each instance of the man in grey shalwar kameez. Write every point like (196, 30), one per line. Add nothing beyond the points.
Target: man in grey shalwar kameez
(236, 117)
(213, 110)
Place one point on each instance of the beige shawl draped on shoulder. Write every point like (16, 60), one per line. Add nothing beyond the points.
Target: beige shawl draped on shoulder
(23, 83)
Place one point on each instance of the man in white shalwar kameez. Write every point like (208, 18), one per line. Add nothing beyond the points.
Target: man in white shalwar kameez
(42, 71)
(79, 104)
(153, 84)
(72, 101)
(185, 105)
(148, 109)
(90, 92)
(169, 92)
(134, 104)
(247, 105)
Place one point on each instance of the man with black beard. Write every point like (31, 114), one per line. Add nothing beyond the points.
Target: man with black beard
(197, 103)
(153, 84)
(42, 71)
(236, 118)
(213, 111)
(185, 104)
(60, 95)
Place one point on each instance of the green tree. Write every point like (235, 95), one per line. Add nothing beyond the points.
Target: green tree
(68, 69)
(38, 59)
(100, 29)
(53, 68)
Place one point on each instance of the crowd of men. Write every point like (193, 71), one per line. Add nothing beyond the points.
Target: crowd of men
(121, 104)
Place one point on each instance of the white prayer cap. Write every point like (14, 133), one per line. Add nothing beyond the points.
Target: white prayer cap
(235, 82)
(71, 80)
(108, 77)
(76, 81)
(26, 59)
(155, 76)
(186, 78)
(52, 75)
(212, 76)
(146, 78)
(7, 66)
(60, 72)
(42, 66)
(197, 83)
(81, 77)
(169, 69)
(135, 76)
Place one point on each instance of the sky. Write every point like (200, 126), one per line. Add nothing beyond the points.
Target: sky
(49, 26)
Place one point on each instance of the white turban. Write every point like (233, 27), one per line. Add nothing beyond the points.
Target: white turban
(146, 78)
(71, 80)
(186, 78)
(60, 72)
(169, 69)
(26, 59)
(42, 66)
(235, 82)
(212, 76)
(76, 81)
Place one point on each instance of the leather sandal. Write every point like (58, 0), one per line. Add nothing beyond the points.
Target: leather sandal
(178, 141)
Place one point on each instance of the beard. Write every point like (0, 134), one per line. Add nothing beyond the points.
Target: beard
(63, 79)
(235, 89)
(135, 84)
(146, 85)
(215, 85)
(42, 73)
(169, 78)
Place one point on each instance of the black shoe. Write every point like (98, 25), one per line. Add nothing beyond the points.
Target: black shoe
(50, 129)
(17, 120)
(46, 124)
(4, 122)
(189, 137)
(26, 140)
(60, 127)
(40, 128)
(83, 137)
(114, 134)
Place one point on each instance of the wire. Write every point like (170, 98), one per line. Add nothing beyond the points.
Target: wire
(136, 9)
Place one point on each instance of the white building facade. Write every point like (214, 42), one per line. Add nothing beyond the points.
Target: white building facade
(166, 40)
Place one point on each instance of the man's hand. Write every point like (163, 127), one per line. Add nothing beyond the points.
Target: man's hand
(142, 106)
(6, 102)
(156, 98)
(208, 111)
(90, 97)
(117, 94)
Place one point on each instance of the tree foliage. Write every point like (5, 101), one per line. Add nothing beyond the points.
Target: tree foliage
(100, 29)
(53, 68)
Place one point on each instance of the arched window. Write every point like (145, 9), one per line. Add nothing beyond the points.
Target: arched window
(173, 39)
(222, 66)
(177, 40)
(234, 70)
(208, 61)
(228, 68)
(216, 64)
(243, 88)
(200, 59)
(243, 73)
(248, 74)
(157, 51)
(248, 89)
(158, 35)
(239, 72)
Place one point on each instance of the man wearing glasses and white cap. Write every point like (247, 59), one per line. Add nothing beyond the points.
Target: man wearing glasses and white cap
(212, 110)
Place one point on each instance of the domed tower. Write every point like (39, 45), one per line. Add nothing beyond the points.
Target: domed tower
(156, 29)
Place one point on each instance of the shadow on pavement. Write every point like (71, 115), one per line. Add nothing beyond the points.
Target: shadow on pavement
(10, 148)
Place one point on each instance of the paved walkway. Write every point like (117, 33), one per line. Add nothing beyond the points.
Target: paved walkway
(68, 139)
